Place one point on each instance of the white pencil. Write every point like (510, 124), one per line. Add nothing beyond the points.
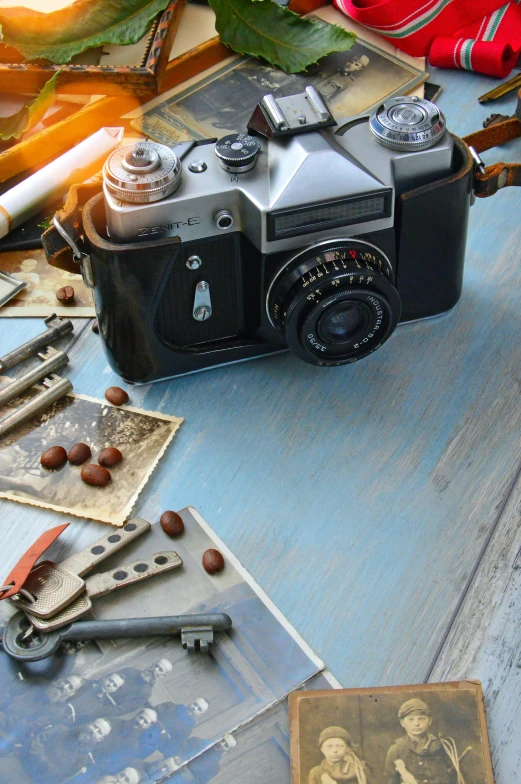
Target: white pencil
(52, 181)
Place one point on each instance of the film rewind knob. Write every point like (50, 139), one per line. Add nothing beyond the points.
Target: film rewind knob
(142, 173)
(407, 123)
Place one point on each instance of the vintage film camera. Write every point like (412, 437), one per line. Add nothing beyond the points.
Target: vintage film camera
(299, 234)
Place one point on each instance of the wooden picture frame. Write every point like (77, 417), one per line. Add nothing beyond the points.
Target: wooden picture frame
(19, 76)
(108, 110)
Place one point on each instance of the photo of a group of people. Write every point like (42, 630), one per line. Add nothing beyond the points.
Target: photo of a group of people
(140, 711)
(402, 736)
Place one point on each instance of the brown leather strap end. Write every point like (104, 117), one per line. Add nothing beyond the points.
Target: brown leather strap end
(58, 252)
(500, 175)
(494, 135)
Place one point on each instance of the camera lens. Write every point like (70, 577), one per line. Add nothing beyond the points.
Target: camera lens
(342, 322)
(334, 302)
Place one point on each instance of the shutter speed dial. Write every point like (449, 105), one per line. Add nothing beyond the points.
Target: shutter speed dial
(407, 123)
(237, 152)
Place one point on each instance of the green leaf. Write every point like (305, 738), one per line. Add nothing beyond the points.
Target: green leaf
(281, 37)
(30, 115)
(59, 35)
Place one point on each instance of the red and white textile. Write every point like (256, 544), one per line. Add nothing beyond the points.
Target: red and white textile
(477, 35)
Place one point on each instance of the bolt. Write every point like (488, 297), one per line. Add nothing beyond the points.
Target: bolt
(202, 286)
(202, 313)
(302, 119)
(193, 262)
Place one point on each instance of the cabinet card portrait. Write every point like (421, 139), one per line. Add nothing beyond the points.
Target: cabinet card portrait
(426, 734)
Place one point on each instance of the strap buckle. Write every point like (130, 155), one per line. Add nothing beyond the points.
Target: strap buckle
(79, 256)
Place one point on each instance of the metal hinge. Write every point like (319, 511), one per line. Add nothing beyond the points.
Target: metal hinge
(79, 256)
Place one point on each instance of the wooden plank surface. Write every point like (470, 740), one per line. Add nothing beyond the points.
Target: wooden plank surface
(485, 639)
(361, 498)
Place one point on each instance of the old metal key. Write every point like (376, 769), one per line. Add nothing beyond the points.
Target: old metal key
(55, 586)
(197, 633)
(101, 584)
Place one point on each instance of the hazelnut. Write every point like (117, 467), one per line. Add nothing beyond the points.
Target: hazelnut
(117, 396)
(95, 475)
(54, 458)
(110, 457)
(172, 523)
(79, 454)
(65, 294)
(213, 561)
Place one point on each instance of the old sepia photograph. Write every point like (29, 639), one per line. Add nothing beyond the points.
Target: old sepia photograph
(401, 735)
(141, 436)
(141, 711)
(38, 297)
(351, 82)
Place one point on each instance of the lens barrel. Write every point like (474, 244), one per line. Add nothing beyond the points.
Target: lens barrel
(335, 302)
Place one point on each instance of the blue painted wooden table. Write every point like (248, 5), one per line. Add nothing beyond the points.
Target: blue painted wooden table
(378, 503)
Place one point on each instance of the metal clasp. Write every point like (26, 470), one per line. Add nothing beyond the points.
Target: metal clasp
(80, 257)
(479, 166)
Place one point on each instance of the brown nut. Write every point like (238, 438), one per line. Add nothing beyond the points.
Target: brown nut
(65, 294)
(79, 454)
(116, 395)
(54, 458)
(213, 561)
(172, 523)
(95, 327)
(95, 475)
(110, 457)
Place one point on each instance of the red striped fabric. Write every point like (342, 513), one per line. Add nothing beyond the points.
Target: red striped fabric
(477, 35)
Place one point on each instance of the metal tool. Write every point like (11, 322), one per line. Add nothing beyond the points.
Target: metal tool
(52, 361)
(502, 89)
(101, 584)
(55, 586)
(494, 119)
(56, 328)
(57, 387)
(197, 633)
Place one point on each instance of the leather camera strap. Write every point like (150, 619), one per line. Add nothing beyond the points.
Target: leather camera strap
(500, 175)
(59, 253)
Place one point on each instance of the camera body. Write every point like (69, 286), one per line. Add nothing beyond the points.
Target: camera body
(300, 234)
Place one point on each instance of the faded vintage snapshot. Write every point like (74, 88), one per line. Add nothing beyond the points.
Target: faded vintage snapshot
(223, 100)
(395, 735)
(38, 298)
(141, 436)
(144, 710)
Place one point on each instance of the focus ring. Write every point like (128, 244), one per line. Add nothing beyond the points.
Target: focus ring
(335, 306)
